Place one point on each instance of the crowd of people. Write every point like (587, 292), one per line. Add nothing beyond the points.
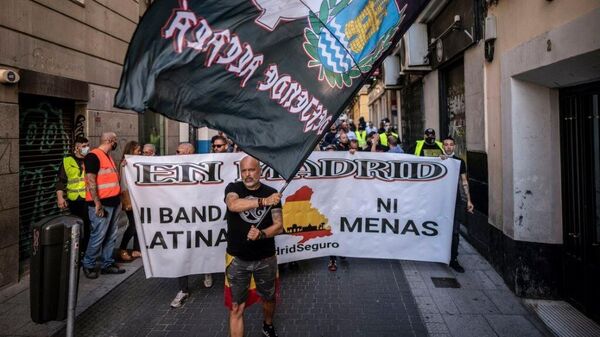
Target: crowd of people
(92, 187)
(346, 136)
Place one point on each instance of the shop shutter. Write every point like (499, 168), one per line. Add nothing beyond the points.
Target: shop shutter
(46, 128)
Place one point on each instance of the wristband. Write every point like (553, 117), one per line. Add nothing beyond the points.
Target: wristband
(260, 202)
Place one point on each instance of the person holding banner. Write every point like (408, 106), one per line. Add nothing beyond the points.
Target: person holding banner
(254, 217)
(131, 148)
(459, 210)
(184, 290)
(149, 150)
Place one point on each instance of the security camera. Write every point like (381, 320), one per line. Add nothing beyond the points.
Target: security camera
(8, 76)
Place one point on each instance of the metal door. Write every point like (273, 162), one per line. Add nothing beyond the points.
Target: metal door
(580, 163)
(46, 126)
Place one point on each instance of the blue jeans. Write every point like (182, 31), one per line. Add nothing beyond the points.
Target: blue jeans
(103, 237)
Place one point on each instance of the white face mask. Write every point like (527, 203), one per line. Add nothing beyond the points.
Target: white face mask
(85, 150)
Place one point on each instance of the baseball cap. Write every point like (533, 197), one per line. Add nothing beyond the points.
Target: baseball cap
(351, 136)
(429, 131)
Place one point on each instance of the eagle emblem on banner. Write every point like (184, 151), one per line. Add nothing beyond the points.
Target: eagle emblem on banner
(345, 38)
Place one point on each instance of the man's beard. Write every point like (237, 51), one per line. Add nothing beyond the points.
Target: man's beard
(250, 182)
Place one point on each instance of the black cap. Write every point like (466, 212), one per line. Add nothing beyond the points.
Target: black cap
(429, 131)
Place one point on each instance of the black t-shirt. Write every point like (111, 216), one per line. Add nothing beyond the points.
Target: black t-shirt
(463, 166)
(92, 165)
(238, 225)
(339, 146)
(329, 138)
(463, 170)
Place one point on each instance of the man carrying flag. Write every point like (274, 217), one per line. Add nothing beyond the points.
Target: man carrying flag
(251, 263)
(272, 75)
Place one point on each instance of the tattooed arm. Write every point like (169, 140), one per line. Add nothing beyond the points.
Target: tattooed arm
(92, 187)
(465, 184)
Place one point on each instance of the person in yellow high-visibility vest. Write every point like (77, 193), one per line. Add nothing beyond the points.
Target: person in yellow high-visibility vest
(70, 186)
(388, 131)
(429, 146)
(361, 136)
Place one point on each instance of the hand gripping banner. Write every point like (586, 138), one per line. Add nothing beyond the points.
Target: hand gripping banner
(369, 205)
(272, 74)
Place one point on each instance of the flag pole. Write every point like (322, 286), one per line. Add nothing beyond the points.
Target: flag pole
(262, 217)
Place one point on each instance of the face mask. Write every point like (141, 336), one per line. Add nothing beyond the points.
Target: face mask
(85, 150)
(114, 146)
(430, 140)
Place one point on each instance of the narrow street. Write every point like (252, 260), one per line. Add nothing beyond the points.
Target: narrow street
(363, 298)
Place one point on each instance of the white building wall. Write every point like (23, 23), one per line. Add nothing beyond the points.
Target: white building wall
(431, 101)
(530, 124)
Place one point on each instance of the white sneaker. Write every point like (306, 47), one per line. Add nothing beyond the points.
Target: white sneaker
(179, 299)
(208, 281)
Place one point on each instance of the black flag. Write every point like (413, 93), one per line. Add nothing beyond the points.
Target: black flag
(272, 74)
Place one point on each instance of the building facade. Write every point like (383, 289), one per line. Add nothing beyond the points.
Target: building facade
(61, 64)
(516, 84)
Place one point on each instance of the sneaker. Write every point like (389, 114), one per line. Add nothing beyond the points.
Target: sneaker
(269, 330)
(332, 266)
(112, 269)
(456, 266)
(208, 281)
(90, 273)
(177, 302)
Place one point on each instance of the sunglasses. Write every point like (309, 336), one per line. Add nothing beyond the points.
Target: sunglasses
(217, 145)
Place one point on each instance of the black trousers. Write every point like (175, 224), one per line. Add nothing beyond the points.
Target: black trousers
(79, 208)
(459, 218)
(183, 282)
(130, 232)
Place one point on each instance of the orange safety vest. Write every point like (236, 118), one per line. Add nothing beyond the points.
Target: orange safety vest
(107, 180)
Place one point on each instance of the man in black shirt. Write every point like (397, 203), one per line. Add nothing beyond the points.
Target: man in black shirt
(103, 196)
(459, 209)
(250, 244)
(330, 137)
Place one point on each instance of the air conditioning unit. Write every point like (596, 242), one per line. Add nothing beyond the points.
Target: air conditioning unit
(391, 70)
(414, 50)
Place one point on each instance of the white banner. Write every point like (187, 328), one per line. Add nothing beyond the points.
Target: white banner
(371, 205)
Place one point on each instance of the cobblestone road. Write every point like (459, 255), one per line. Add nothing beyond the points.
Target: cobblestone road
(363, 298)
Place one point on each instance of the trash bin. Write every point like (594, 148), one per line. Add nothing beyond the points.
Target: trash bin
(50, 267)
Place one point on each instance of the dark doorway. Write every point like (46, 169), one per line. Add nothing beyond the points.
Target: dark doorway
(46, 130)
(452, 107)
(580, 158)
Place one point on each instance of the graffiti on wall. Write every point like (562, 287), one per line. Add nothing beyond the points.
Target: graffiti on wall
(79, 130)
(44, 142)
(456, 118)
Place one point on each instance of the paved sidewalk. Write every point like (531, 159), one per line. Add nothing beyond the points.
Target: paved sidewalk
(15, 317)
(482, 306)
